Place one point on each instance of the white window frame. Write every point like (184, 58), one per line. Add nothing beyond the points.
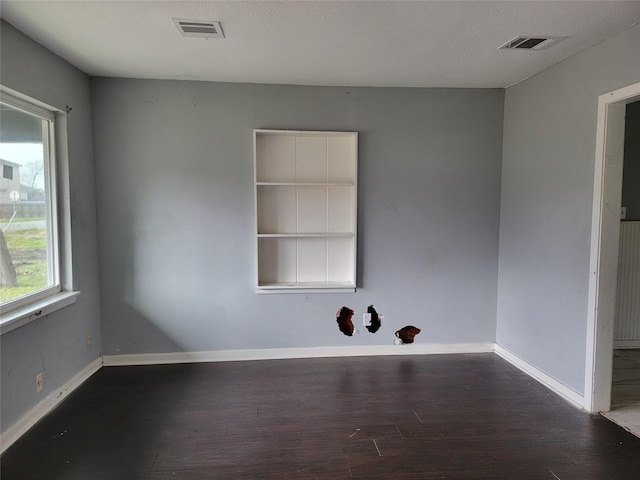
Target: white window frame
(20, 311)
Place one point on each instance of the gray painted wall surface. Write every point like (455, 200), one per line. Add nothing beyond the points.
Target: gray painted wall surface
(546, 205)
(631, 176)
(174, 167)
(54, 345)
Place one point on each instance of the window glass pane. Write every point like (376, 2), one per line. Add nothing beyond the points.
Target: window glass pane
(27, 254)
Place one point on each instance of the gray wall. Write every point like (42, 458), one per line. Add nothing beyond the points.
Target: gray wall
(174, 167)
(546, 206)
(56, 344)
(631, 175)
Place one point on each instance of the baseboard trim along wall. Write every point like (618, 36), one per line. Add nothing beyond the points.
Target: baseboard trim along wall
(565, 392)
(287, 353)
(15, 431)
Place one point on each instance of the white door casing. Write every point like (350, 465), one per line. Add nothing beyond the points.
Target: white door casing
(605, 232)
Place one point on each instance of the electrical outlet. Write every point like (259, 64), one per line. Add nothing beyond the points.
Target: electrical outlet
(89, 339)
(366, 319)
(39, 382)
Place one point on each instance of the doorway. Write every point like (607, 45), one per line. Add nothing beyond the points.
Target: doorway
(607, 197)
(625, 387)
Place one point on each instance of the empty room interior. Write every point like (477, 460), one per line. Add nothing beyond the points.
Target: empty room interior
(320, 239)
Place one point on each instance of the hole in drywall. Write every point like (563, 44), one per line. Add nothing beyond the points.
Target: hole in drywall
(407, 334)
(374, 321)
(344, 317)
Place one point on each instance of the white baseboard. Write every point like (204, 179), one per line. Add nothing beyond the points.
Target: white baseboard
(565, 392)
(285, 353)
(15, 431)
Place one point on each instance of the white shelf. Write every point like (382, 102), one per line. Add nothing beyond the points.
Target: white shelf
(306, 287)
(306, 184)
(306, 235)
(305, 194)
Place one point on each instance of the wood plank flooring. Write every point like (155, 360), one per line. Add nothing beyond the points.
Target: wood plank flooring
(458, 417)
(625, 390)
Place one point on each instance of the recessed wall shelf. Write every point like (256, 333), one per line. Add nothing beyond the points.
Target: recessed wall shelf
(305, 204)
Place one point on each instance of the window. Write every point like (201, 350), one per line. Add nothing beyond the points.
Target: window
(29, 257)
(7, 172)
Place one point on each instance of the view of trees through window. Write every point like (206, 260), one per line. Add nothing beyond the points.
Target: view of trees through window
(26, 236)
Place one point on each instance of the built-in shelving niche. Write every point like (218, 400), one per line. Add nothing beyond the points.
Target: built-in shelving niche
(306, 210)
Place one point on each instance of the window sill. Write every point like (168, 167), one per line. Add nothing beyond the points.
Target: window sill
(22, 316)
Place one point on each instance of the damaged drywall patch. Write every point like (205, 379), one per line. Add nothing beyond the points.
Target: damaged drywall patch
(344, 317)
(406, 334)
(374, 320)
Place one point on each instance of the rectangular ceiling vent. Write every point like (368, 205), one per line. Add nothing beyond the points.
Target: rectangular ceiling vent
(531, 43)
(199, 28)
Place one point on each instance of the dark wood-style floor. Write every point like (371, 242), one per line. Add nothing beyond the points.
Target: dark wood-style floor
(409, 417)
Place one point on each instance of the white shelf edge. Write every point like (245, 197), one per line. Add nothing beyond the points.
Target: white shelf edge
(306, 133)
(304, 289)
(308, 235)
(305, 184)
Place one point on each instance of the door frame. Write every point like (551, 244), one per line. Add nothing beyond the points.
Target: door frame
(605, 234)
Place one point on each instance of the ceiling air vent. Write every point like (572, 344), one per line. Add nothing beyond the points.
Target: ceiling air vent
(199, 28)
(531, 43)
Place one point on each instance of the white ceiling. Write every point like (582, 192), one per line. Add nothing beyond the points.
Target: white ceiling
(345, 43)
